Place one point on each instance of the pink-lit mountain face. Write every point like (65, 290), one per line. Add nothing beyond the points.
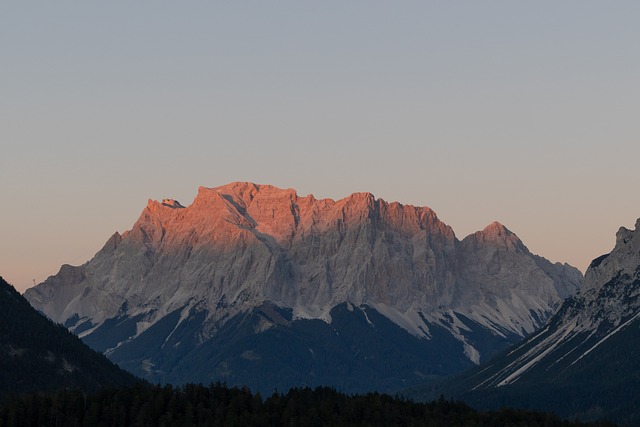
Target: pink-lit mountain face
(242, 247)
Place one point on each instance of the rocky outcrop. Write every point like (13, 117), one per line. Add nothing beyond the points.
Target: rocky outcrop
(241, 245)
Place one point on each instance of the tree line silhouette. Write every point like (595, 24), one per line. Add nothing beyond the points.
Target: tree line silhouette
(219, 405)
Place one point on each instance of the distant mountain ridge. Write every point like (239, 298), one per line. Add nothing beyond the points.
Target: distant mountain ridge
(583, 362)
(183, 276)
(37, 355)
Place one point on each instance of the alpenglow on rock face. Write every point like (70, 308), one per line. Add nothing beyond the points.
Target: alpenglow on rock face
(254, 284)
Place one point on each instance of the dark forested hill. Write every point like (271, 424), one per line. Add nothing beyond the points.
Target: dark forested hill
(38, 355)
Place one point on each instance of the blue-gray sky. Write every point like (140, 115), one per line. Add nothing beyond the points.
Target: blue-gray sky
(521, 112)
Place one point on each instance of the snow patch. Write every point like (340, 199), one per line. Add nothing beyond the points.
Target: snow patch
(538, 353)
(364, 311)
(609, 335)
(471, 352)
(184, 314)
(311, 313)
(403, 320)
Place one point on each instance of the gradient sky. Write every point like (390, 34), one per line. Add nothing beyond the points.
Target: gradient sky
(521, 112)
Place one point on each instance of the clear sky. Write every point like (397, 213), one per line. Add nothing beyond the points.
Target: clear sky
(521, 112)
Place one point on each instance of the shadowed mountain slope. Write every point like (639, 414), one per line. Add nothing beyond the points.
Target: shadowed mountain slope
(37, 355)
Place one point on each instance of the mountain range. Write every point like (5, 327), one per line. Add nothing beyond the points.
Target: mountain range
(252, 284)
(583, 363)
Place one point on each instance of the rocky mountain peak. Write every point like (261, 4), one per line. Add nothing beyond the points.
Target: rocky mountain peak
(496, 229)
(624, 235)
(496, 236)
(246, 192)
(363, 199)
(622, 263)
(496, 232)
(611, 292)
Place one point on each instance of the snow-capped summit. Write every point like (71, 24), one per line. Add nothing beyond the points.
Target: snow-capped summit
(188, 274)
